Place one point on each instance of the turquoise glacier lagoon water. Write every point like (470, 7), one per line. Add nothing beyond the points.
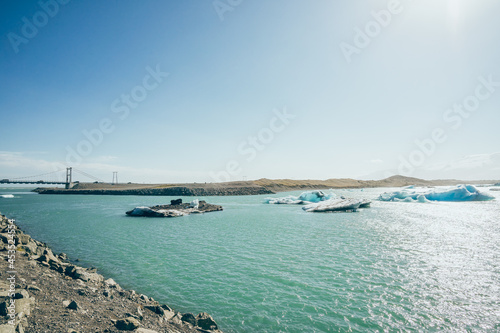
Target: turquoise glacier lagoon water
(275, 268)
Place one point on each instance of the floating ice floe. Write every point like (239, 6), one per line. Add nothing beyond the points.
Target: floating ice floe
(302, 199)
(458, 193)
(6, 196)
(335, 205)
(175, 209)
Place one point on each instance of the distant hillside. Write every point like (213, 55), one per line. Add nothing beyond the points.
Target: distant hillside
(281, 185)
(261, 186)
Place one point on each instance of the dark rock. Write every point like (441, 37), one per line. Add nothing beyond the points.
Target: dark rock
(3, 308)
(175, 202)
(206, 322)
(80, 274)
(70, 270)
(189, 318)
(166, 307)
(73, 306)
(21, 294)
(156, 309)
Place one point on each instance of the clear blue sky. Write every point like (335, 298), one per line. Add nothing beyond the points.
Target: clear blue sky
(351, 103)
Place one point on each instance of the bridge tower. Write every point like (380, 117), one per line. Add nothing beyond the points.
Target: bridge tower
(69, 176)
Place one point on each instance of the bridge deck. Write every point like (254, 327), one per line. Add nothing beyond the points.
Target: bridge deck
(31, 182)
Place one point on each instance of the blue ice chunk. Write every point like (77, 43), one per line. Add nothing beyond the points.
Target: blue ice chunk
(303, 198)
(458, 193)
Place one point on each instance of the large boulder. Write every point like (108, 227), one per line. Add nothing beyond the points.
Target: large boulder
(189, 318)
(127, 324)
(48, 257)
(206, 322)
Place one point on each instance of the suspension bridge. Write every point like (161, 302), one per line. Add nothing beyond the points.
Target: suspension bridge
(58, 177)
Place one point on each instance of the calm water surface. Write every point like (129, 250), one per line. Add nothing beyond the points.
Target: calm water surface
(274, 268)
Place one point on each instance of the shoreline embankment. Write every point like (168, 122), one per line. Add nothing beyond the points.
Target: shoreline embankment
(44, 292)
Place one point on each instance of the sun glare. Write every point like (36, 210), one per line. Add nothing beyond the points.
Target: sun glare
(454, 11)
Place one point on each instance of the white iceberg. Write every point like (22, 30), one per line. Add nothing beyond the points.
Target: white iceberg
(148, 212)
(141, 211)
(335, 205)
(458, 193)
(302, 199)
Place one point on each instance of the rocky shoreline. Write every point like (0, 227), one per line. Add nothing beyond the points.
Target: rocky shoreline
(167, 191)
(44, 292)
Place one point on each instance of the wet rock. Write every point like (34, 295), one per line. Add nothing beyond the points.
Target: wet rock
(127, 324)
(168, 313)
(205, 321)
(189, 318)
